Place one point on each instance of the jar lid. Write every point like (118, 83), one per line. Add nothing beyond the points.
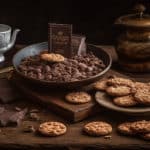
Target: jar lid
(138, 19)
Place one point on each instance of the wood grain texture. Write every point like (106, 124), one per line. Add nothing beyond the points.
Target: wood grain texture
(54, 99)
(14, 138)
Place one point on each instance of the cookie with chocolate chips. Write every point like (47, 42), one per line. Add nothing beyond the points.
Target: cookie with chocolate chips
(97, 128)
(78, 97)
(141, 127)
(118, 90)
(52, 57)
(125, 101)
(52, 128)
(125, 128)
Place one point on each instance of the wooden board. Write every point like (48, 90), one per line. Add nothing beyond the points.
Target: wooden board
(14, 138)
(56, 102)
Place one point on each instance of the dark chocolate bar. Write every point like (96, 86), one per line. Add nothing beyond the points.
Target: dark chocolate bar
(59, 39)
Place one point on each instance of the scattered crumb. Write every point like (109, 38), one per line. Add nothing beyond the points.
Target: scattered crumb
(108, 137)
(29, 129)
(34, 116)
(34, 111)
(17, 109)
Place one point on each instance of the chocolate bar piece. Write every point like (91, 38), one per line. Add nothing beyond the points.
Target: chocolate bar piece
(10, 117)
(78, 45)
(59, 39)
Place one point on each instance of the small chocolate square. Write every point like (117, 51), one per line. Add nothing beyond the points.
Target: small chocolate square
(59, 39)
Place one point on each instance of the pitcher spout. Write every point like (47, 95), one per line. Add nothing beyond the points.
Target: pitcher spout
(13, 39)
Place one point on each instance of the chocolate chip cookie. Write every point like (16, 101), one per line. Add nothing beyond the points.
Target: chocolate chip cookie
(142, 95)
(125, 128)
(141, 127)
(78, 97)
(125, 101)
(118, 90)
(52, 57)
(120, 81)
(101, 85)
(98, 128)
(52, 128)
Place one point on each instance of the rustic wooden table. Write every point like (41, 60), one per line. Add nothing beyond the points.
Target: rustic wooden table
(14, 138)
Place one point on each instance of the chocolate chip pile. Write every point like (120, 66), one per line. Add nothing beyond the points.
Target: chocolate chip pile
(71, 69)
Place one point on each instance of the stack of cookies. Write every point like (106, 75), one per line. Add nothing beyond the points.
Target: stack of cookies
(125, 92)
(137, 128)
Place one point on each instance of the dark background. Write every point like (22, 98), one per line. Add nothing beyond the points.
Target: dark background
(94, 18)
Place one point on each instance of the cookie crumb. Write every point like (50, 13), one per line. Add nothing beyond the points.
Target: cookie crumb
(107, 137)
(29, 129)
(17, 108)
(34, 111)
(34, 116)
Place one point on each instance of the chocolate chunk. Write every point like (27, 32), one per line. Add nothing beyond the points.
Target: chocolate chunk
(2, 109)
(34, 111)
(72, 69)
(10, 117)
(47, 68)
(17, 109)
(34, 116)
(40, 76)
(29, 128)
(38, 70)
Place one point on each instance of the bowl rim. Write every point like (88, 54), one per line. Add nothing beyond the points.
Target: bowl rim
(54, 82)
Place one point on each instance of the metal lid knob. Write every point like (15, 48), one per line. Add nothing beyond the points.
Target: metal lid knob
(139, 8)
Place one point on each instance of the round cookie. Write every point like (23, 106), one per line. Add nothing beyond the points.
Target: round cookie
(120, 81)
(78, 97)
(52, 128)
(125, 101)
(142, 96)
(52, 57)
(97, 128)
(146, 136)
(125, 128)
(140, 85)
(101, 85)
(118, 90)
(141, 126)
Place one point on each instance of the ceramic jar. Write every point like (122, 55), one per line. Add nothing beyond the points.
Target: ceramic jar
(133, 41)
